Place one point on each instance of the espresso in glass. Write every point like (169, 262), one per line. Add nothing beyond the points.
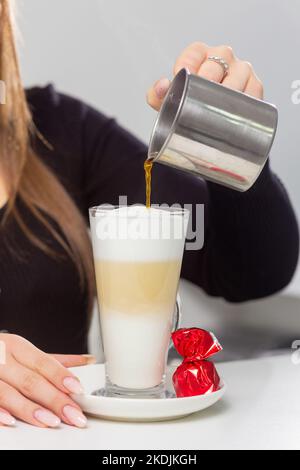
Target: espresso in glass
(138, 254)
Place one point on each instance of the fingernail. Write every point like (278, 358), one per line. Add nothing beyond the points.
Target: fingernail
(7, 419)
(161, 88)
(90, 359)
(75, 416)
(73, 385)
(47, 418)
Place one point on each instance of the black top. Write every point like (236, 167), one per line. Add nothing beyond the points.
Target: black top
(251, 239)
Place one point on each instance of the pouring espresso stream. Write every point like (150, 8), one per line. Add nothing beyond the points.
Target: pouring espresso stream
(148, 176)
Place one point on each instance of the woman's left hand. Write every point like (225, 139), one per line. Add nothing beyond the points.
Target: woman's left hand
(241, 75)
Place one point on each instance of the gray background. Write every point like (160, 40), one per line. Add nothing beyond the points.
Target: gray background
(109, 52)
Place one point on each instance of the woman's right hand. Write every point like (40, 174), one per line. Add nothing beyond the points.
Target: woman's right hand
(35, 387)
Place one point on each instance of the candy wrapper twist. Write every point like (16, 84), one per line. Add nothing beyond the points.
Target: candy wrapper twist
(196, 375)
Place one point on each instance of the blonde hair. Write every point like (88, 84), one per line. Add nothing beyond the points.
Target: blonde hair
(26, 176)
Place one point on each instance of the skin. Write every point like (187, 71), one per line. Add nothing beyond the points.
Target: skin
(3, 192)
(241, 76)
(31, 380)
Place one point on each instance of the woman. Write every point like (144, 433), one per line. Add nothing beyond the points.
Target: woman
(59, 157)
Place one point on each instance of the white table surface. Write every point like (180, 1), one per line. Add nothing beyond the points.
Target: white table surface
(261, 410)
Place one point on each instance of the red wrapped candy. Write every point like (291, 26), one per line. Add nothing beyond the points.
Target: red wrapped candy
(196, 375)
(195, 378)
(195, 344)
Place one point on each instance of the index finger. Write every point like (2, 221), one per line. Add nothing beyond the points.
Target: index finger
(191, 58)
(33, 358)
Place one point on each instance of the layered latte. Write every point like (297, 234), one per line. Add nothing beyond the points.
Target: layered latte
(138, 255)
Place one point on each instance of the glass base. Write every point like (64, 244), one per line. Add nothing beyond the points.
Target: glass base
(111, 390)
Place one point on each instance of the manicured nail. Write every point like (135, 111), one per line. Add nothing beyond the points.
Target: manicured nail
(90, 359)
(73, 385)
(75, 416)
(7, 419)
(161, 88)
(47, 418)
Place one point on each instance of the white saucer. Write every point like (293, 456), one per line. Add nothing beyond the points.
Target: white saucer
(132, 409)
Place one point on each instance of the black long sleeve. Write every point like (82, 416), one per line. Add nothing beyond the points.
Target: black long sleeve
(251, 239)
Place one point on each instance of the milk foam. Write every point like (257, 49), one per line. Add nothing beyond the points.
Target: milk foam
(136, 233)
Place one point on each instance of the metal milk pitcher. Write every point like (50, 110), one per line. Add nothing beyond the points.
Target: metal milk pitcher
(212, 131)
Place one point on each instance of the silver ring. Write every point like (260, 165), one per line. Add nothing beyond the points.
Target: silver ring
(220, 61)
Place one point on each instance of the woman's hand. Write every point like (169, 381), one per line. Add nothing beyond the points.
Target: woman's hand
(35, 387)
(241, 75)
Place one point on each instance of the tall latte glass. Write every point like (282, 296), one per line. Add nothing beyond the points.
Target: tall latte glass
(138, 255)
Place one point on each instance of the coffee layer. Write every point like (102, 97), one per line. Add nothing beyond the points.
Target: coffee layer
(137, 288)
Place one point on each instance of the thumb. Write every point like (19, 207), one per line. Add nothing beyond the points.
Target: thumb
(157, 93)
(74, 360)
